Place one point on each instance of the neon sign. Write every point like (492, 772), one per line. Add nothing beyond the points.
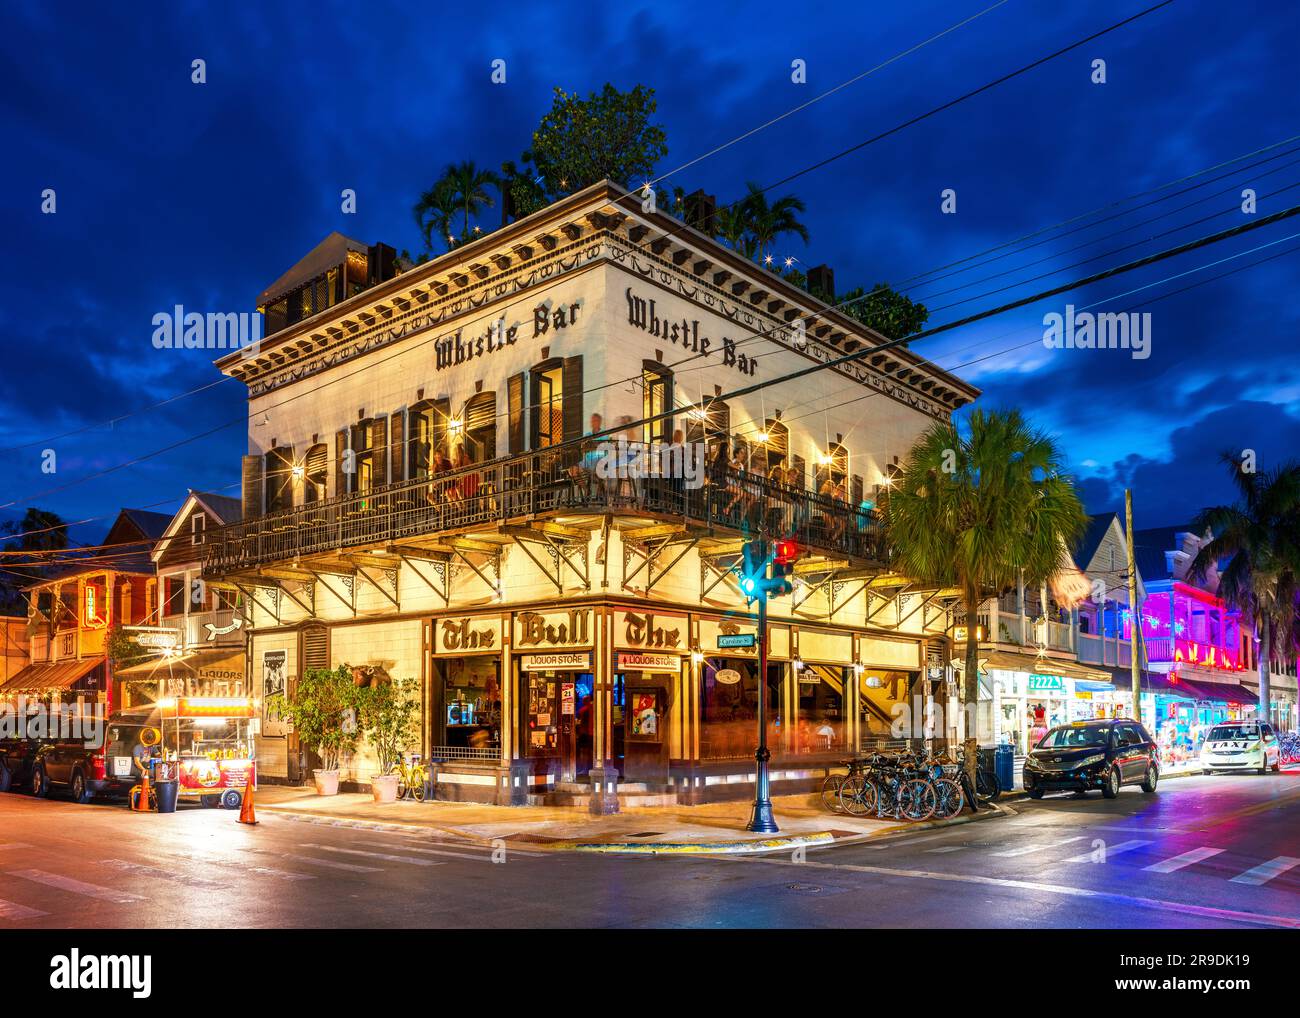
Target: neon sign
(91, 615)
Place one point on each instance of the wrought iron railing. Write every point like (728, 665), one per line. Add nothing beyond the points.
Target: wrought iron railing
(536, 485)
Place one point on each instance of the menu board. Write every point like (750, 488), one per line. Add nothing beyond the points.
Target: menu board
(543, 712)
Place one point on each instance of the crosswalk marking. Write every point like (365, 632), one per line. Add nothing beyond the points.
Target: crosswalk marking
(1265, 872)
(474, 846)
(412, 860)
(906, 841)
(945, 848)
(1108, 851)
(431, 851)
(76, 886)
(1186, 859)
(328, 863)
(1041, 847)
(156, 873)
(271, 871)
(12, 910)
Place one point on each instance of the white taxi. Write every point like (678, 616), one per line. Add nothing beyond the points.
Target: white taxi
(1241, 746)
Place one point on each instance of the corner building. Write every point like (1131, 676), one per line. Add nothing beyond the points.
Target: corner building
(415, 506)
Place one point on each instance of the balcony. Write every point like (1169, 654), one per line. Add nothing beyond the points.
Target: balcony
(1001, 625)
(1105, 651)
(539, 485)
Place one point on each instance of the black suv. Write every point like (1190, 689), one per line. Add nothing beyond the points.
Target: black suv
(1103, 754)
(109, 768)
(16, 756)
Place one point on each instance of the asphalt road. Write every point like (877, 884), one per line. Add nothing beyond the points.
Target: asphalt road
(1219, 852)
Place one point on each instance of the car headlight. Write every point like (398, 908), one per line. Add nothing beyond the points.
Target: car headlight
(1088, 761)
(1031, 764)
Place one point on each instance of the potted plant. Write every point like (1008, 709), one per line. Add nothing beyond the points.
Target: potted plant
(322, 711)
(386, 712)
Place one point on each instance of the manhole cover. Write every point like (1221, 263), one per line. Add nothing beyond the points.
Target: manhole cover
(805, 888)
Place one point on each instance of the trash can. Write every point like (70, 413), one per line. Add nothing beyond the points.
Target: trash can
(1004, 766)
(167, 783)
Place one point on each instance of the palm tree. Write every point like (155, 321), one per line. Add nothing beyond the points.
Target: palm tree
(732, 224)
(767, 222)
(433, 213)
(469, 190)
(978, 512)
(1259, 537)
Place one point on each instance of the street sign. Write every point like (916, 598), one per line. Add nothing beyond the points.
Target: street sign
(726, 640)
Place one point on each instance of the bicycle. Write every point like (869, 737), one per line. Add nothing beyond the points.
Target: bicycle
(832, 783)
(412, 777)
(897, 784)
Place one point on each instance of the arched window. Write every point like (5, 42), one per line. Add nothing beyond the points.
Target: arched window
(478, 427)
(547, 399)
(428, 436)
(279, 479)
(316, 471)
(708, 422)
(775, 444)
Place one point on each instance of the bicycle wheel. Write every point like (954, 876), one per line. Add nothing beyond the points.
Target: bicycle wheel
(402, 787)
(916, 799)
(857, 796)
(831, 792)
(987, 788)
(948, 798)
(418, 781)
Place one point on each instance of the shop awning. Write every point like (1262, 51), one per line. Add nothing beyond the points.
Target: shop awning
(197, 664)
(1013, 662)
(1159, 682)
(1222, 692)
(60, 675)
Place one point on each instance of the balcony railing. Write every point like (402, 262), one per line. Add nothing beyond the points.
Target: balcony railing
(536, 485)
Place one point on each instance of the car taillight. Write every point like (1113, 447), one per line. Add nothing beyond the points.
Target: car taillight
(99, 765)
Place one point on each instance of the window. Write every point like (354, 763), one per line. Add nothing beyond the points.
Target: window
(197, 523)
(479, 427)
(548, 406)
(174, 593)
(656, 398)
(279, 479)
(316, 471)
(775, 443)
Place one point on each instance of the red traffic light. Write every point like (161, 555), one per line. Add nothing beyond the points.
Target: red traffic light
(785, 552)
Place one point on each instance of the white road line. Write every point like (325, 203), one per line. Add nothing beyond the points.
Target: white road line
(1041, 847)
(906, 841)
(375, 855)
(1108, 851)
(473, 846)
(271, 871)
(1186, 859)
(946, 848)
(1265, 872)
(12, 910)
(432, 851)
(76, 886)
(157, 873)
(329, 863)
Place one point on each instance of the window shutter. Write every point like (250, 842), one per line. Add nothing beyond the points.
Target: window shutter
(515, 411)
(440, 440)
(315, 648)
(279, 478)
(342, 482)
(571, 395)
(252, 487)
(379, 458)
(397, 445)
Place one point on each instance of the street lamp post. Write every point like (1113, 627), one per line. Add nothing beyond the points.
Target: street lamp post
(761, 819)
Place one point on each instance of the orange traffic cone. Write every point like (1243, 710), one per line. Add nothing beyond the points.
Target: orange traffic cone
(246, 814)
(142, 800)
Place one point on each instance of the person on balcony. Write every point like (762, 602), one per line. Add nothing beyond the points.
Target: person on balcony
(441, 465)
(739, 497)
(584, 473)
(799, 504)
(467, 485)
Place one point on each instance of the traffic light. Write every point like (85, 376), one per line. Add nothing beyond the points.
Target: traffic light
(784, 555)
(753, 570)
(755, 581)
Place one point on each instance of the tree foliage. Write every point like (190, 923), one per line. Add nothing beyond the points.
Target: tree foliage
(386, 713)
(606, 136)
(38, 530)
(323, 712)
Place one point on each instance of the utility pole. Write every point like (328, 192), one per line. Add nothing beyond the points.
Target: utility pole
(1134, 615)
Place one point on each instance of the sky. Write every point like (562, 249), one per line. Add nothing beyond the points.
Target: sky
(173, 192)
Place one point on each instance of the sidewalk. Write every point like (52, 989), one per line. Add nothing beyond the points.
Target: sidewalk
(712, 829)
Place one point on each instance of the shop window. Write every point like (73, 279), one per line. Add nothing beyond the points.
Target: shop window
(729, 707)
(467, 704)
(656, 398)
(819, 694)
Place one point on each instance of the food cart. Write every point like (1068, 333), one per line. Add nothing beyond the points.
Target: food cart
(209, 737)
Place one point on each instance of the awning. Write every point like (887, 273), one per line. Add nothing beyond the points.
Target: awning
(1087, 686)
(60, 675)
(1159, 682)
(1222, 692)
(1013, 662)
(203, 664)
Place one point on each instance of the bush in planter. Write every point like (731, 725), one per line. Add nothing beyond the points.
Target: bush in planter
(386, 713)
(322, 711)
